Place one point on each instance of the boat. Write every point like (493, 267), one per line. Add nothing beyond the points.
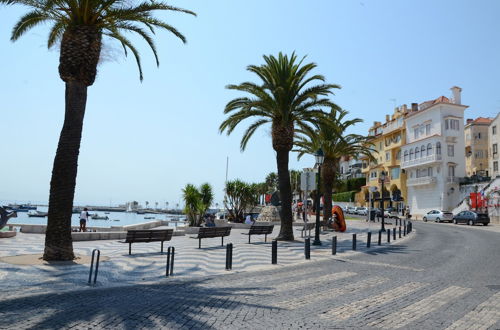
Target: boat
(106, 212)
(149, 217)
(20, 208)
(37, 214)
(98, 217)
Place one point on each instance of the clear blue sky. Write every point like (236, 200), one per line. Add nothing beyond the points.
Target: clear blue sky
(145, 141)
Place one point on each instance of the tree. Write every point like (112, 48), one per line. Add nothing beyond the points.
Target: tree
(239, 196)
(80, 26)
(285, 99)
(197, 201)
(330, 135)
(271, 182)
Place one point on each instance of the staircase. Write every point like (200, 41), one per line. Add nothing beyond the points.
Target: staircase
(464, 205)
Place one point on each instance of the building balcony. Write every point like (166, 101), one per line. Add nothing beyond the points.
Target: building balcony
(426, 180)
(421, 161)
(453, 180)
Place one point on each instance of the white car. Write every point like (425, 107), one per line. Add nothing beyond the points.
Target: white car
(361, 211)
(438, 216)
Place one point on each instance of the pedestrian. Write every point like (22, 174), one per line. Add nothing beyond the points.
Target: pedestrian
(248, 220)
(84, 216)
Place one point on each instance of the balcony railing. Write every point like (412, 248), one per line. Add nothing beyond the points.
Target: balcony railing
(453, 179)
(421, 160)
(421, 181)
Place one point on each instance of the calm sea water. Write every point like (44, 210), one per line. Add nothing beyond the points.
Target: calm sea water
(115, 218)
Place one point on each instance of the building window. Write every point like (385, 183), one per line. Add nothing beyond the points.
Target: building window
(453, 124)
(398, 155)
(406, 155)
(438, 148)
(451, 150)
(479, 154)
(429, 171)
(494, 130)
(495, 149)
(415, 133)
(429, 149)
(417, 152)
(495, 166)
(395, 173)
(427, 129)
(451, 170)
(411, 154)
(479, 135)
(387, 156)
(422, 149)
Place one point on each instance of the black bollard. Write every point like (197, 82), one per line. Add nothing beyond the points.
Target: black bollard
(399, 231)
(169, 269)
(389, 236)
(307, 248)
(229, 256)
(369, 239)
(380, 237)
(354, 241)
(274, 252)
(404, 230)
(394, 233)
(334, 245)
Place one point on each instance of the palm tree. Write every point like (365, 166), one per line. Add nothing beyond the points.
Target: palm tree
(79, 26)
(286, 100)
(330, 136)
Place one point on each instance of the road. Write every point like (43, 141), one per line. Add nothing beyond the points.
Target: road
(446, 277)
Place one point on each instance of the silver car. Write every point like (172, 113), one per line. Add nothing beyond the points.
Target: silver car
(438, 216)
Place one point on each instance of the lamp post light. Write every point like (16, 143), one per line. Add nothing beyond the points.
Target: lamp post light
(320, 157)
(382, 179)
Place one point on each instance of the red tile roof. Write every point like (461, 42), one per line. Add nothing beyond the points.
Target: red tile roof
(482, 120)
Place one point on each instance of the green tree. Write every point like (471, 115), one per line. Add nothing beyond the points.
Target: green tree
(197, 201)
(79, 26)
(285, 99)
(239, 196)
(330, 136)
(271, 182)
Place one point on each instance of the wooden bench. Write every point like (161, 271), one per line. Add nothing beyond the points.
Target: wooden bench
(307, 226)
(146, 236)
(259, 230)
(211, 232)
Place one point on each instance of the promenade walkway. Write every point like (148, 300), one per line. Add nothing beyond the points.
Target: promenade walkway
(147, 264)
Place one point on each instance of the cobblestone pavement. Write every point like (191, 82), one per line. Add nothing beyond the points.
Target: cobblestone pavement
(445, 277)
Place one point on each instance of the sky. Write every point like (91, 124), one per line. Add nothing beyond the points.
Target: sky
(146, 141)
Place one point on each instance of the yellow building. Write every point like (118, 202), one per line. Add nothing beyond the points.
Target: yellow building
(476, 146)
(387, 139)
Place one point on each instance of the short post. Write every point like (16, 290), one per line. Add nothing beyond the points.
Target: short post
(96, 265)
(369, 239)
(307, 248)
(229, 256)
(399, 231)
(379, 237)
(388, 236)
(169, 269)
(334, 245)
(394, 233)
(354, 241)
(274, 252)
(404, 230)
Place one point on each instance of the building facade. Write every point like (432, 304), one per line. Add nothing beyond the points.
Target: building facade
(493, 143)
(350, 168)
(476, 146)
(434, 155)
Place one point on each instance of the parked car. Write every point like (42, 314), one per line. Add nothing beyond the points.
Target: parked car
(438, 216)
(361, 211)
(471, 218)
(351, 210)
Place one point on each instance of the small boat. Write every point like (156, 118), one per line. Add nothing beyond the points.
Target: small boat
(141, 212)
(37, 214)
(149, 217)
(98, 217)
(106, 212)
(116, 219)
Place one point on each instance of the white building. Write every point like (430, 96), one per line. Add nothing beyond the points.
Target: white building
(350, 168)
(494, 142)
(434, 154)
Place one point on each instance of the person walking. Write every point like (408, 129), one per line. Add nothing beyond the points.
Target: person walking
(84, 216)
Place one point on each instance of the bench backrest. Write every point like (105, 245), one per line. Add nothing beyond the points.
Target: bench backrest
(207, 232)
(149, 235)
(261, 229)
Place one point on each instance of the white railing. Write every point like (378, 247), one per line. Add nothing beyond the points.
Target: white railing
(421, 181)
(421, 161)
(392, 126)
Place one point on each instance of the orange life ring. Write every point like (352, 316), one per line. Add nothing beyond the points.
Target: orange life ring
(339, 223)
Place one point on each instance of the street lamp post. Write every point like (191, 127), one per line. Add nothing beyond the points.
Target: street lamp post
(382, 179)
(320, 157)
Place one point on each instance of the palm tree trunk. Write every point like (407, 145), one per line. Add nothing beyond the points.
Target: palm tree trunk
(286, 230)
(328, 178)
(58, 242)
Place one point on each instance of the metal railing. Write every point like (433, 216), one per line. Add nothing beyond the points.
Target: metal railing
(421, 181)
(421, 160)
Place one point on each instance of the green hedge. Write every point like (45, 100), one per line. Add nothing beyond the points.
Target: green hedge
(350, 185)
(347, 196)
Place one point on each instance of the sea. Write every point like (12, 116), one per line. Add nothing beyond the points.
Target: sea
(114, 218)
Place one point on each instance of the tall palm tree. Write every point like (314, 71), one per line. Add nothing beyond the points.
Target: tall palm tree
(330, 135)
(79, 26)
(285, 99)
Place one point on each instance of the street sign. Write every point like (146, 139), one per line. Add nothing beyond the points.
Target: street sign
(308, 179)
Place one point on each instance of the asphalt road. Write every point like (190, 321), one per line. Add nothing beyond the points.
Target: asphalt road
(446, 277)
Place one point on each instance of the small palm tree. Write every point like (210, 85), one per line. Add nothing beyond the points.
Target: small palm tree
(79, 26)
(286, 100)
(330, 136)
